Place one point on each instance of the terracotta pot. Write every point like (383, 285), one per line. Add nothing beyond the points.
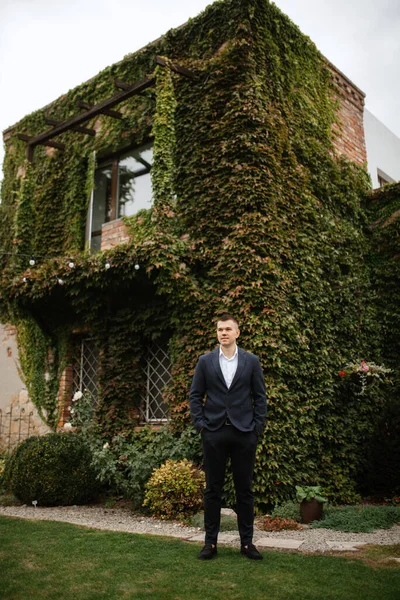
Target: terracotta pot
(311, 511)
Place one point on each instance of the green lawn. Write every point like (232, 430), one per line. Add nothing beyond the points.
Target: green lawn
(56, 561)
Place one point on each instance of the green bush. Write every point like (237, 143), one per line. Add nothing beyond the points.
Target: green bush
(363, 519)
(175, 490)
(287, 510)
(379, 474)
(54, 470)
(126, 462)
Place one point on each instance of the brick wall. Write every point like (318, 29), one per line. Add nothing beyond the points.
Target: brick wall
(113, 233)
(349, 132)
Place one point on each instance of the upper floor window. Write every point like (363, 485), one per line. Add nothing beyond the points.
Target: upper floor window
(122, 187)
(383, 178)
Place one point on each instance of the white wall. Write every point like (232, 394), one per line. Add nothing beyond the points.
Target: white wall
(383, 150)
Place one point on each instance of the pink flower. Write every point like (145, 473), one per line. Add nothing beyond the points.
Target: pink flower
(365, 368)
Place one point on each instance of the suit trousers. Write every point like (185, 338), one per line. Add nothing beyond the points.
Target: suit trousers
(241, 448)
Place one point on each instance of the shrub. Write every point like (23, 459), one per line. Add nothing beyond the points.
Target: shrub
(53, 470)
(379, 474)
(287, 510)
(125, 463)
(363, 519)
(175, 490)
(277, 524)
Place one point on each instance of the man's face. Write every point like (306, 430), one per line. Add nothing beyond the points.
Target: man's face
(227, 333)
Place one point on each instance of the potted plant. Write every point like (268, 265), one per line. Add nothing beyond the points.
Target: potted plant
(311, 502)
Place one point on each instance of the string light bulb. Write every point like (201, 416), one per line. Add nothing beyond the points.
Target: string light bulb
(137, 267)
(107, 265)
(32, 261)
(25, 279)
(60, 281)
(71, 264)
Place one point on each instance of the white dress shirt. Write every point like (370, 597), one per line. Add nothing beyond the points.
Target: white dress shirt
(228, 366)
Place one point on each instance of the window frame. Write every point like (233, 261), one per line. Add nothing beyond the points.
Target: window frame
(113, 160)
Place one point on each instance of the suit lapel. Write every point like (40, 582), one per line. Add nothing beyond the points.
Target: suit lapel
(242, 358)
(217, 366)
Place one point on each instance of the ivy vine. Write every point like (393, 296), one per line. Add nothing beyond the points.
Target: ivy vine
(253, 213)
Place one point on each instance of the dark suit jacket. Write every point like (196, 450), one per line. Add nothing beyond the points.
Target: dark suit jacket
(244, 403)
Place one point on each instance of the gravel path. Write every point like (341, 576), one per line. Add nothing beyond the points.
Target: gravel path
(122, 519)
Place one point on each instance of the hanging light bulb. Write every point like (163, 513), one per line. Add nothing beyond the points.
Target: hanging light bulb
(32, 261)
(107, 265)
(137, 267)
(25, 279)
(60, 281)
(71, 264)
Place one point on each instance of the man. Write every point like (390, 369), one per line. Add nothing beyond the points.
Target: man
(230, 421)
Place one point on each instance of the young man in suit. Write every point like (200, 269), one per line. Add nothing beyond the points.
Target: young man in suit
(230, 421)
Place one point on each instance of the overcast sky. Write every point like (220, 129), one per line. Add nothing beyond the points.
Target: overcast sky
(48, 47)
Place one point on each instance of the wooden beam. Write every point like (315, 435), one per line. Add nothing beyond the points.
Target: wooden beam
(115, 114)
(94, 111)
(51, 143)
(176, 68)
(78, 128)
(124, 86)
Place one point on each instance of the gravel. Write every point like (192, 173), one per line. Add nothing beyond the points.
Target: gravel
(122, 519)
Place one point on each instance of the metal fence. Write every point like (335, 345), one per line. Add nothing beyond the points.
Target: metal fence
(16, 424)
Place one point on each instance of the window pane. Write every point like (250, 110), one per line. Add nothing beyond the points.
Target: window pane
(134, 182)
(101, 197)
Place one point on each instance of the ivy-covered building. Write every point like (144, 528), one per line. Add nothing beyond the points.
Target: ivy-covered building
(221, 167)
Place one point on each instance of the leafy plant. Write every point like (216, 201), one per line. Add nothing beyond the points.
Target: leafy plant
(359, 518)
(52, 470)
(175, 490)
(287, 510)
(309, 492)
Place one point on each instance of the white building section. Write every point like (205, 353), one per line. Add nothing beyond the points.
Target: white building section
(383, 151)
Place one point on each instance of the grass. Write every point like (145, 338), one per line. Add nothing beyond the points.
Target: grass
(49, 561)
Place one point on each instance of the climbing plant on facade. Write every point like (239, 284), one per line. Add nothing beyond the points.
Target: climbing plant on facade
(253, 213)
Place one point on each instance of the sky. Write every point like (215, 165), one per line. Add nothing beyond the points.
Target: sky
(48, 47)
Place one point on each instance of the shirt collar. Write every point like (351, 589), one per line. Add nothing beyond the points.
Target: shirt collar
(223, 355)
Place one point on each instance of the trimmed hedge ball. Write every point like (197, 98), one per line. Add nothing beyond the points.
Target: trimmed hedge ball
(53, 470)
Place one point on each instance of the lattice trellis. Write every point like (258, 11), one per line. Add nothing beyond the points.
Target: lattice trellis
(158, 374)
(85, 368)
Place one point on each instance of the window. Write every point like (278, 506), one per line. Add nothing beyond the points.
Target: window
(157, 370)
(122, 187)
(85, 368)
(383, 179)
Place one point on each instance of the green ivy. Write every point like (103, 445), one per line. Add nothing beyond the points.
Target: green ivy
(43, 359)
(253, 213)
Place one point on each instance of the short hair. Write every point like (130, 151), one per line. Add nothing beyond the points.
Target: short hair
(227, 317)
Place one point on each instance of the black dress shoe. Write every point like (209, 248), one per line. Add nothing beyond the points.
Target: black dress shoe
(251, 552)
(209, 551)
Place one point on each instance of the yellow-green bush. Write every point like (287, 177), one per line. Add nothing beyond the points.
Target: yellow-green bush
(175, 490)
